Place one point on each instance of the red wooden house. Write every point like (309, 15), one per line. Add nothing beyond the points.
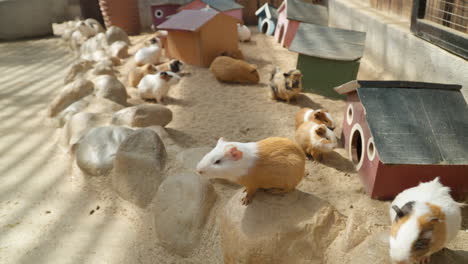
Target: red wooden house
(401, 133)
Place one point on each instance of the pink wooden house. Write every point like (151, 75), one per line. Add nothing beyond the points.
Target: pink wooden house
(293, 12)
(227, 7)
(162, 9)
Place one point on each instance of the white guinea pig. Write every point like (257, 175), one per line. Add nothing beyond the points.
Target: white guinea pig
(156, 86)
(275, 163)
(424, 219)
(148, 55)
(243, 32)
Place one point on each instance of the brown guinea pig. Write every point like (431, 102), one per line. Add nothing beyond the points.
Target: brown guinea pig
(137, 73)
(285, 86)
(319, 116)
(276, 164)
(315, 139)
(237, 54)
(227, 69)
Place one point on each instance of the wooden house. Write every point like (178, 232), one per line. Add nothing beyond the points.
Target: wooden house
(267, 18)
(228, 7)
(401, 133)
(328, 57)
(292, 13)
(197, 37)
(162, 9)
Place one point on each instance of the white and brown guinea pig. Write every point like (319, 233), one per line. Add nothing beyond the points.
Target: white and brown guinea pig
(148, 55)
(137, 73)
(285, 86)
(227, 69)
(424, 219)
(156, 86)
(172, 66)
(315, 139)
(319, 116)
(275, 163)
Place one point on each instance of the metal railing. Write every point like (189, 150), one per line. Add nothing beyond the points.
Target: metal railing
(442, 22)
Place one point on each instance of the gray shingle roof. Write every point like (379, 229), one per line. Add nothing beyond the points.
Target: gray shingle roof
(307, 12)
(328, 43)
(425, 125)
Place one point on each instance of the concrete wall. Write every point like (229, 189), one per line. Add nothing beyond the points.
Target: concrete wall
(392, 51)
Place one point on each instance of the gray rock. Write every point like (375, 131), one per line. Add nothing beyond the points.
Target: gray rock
(71, 93)
(77, 69)
(103, 68)
(189, 158)
(119, 49)
(102, 105)
(109, 87)
(143, 115)
(78, 125)
(183, 203)
(95, 151)
(296, 227)
(139, 167)
(114, 34)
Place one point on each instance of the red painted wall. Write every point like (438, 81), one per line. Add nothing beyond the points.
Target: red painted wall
(167, 10)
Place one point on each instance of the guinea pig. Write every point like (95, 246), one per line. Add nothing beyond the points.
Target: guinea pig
(136, 74)
(173, 66)
(275, 163)
(94, 25)
(156, 86)
(319, 116)
(424, 219)
(227, 69)
(237, 54)
(148, 55)
(315, 139)
(285, 86)
(243, 32)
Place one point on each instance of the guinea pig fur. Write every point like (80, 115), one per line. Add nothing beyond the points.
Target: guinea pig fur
(285, 86)
(243, 32)
(156, 86)
(148, 55)
(237, 54)
(227, 69)
(424, 219)
(137, 73)
(276, 164)
(173, 66)
(315, 139)
(319, 116)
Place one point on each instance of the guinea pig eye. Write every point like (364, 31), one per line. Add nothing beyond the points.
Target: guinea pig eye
(217, 162)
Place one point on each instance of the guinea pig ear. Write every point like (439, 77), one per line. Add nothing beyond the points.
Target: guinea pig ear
(321, 130)
(220, 140)
(319, 115)
(398, 211)
(233, 153)
(286, 75)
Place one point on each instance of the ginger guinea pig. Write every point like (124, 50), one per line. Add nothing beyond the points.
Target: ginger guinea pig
(275, 163)
(172, 66)
(424, 219)
(285, 86)
(315, 139)
(227, 69)
(319, 116)
(136, 74)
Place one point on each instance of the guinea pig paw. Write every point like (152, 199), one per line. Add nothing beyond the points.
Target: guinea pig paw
(425, 260)
(246, 200)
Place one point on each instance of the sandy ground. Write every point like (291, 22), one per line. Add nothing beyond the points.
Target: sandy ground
(45, 206)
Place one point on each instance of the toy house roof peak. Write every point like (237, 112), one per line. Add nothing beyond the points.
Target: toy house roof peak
(270, 11)
(190, 20)
(414, 122)
(306, 12)
(221, 5)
